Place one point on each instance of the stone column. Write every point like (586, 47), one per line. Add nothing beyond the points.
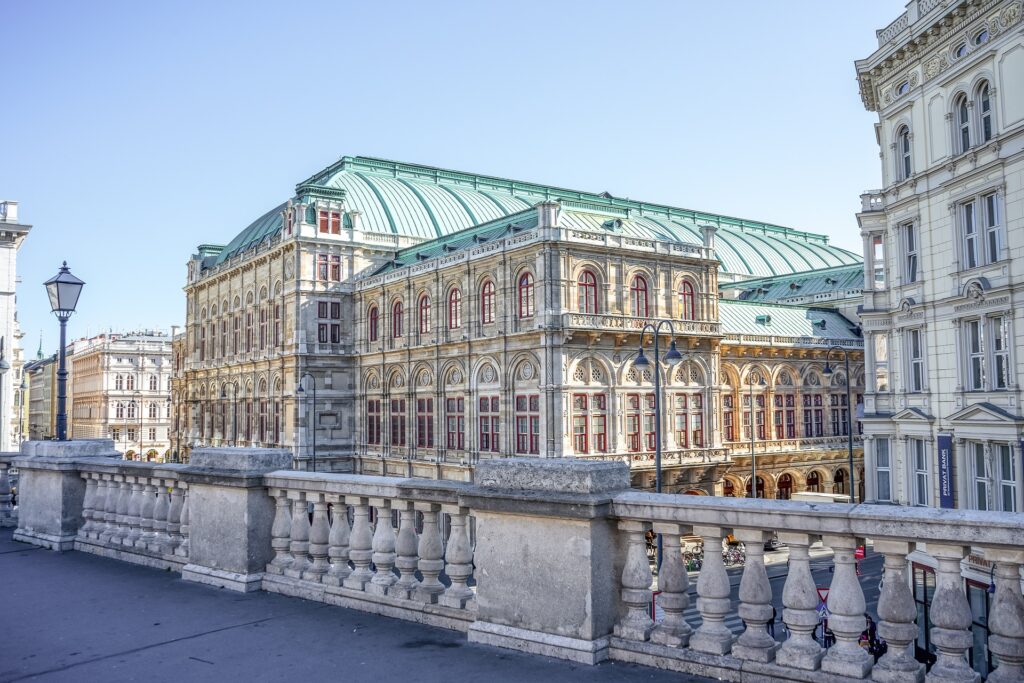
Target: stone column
(846, 602)
(338, 542)
(431, 554)
(713, 591)
(636, 624)
(319, 537)
(229, 515)
(674, 584)
(458, 560)
(951, 619)
(6, 498)
(1006, 617)
(174, 520)
(299, 543)
(147, 506)
(88, 505)
(755, 644)
(281, 533)
(360, 544)
(529, 507)
(405, 547)
(383, 545)
(800, 602)
(161, 510)
(896, 614)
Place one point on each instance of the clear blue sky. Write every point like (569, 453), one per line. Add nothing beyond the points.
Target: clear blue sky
(130, 132)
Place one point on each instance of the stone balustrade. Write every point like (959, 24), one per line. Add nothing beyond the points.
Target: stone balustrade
(136, 512)
(8, 511)
(359, 541)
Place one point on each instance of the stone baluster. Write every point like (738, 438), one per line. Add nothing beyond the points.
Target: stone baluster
(405, 549)
(896, 614)
(458, 560)
(846, 603)
(636, 624)
(383, 549)
(6, 498)
(1006, 617)
(88, 505)
(183, 548)
(299, 545)
(147, 507)
(132, 515)
(161, 510)
(674, 584)
(951, 618)
(111, 492)
(281, 534)
(338, 543)
(99, 508)
(174, 520)
(755, 643)
(124, 492)
(713, 592)
(319, 537)
(431, 554)
(800, 603)
(360, 544)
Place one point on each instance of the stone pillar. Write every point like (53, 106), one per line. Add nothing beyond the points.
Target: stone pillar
(896, 614)
(51, 492)
(755, 594)
(800, 602)
(951, 618)
(550, 515)
(230, 515)
(846, 602)
(1006, 621)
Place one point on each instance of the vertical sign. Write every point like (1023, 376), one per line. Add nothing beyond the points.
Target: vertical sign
(945, 442)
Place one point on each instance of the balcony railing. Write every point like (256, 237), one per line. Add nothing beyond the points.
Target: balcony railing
(780, 340)
(628, 323)
(872, 200)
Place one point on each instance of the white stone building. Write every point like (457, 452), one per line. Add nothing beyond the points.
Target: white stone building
(12, 234)
(944, 249)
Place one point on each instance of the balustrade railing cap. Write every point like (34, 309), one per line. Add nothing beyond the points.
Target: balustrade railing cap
(552, 475)
(78, 448)
(243, 460)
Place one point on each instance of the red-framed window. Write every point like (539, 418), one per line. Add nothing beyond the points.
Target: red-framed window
(487, 302)
(489, 419)
(335, 269)
(840, 414)
(454, 309)
(639, 420)
(424, 423)
(586, 292)
(234, 336)
(759, 416)
(638, 296)
(248, 331)
(813, 415)
(528, 424)
(424, 314)
(687, 302)
(396, 320)
(223, 338)
(580, 424)
(649, 431)
(785, 416)
(330, 222)
(278, 332)
(263, 327)
(397, 418)
(590, 423)
(321, 267)
(373, 422)
(288, 222)
(202, 341)
(526, 302)
(689, 420)
(728, 418)
(373, 318)
(455, 421)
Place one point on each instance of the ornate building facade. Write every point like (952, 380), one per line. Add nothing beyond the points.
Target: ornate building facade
(433, 318)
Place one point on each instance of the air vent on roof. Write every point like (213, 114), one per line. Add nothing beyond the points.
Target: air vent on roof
(615, 225)
(830, 281)
(762, 290)
(820, 324)
(397, 264)
(420, 256)
(794, 285)
(479, 239)
(606, 194)
(763, 320)
(448, 247)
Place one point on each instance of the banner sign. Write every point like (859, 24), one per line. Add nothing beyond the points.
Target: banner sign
(945, 444)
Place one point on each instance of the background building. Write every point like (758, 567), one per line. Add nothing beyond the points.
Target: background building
(41, 375)
(12, 234)
(445, 317)
(943, 244)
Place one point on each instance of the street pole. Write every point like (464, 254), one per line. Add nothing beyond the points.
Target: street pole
(62, 385)
(753, 457)
(849, 413)
(313, 412)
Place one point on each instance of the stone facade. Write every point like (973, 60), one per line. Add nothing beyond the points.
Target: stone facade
(12, 235)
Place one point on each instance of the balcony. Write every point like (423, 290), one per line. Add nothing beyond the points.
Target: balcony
(872, 200)
(628, 323)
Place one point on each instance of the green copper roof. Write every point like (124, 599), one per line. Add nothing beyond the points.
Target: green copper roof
(742, 317)
(808, 283)
(423, 202)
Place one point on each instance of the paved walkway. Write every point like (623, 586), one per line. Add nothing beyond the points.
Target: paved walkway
(78, 617)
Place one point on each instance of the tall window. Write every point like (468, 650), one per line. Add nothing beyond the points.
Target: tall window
(330, 222)
(526, 303)
(396, 320)
(758, 415)
(455, 416)
(373, 422)
(580, 424)
(975, 355)
(373, 318)
(586, 292)
(454, 309)
(903, 153)
(223, 338)
(909, 231)
(880, 342)
(335, 269)
(129, 382)
(490, 422)
(919, 463)
(813, 416)
(883, 470)
(424, 314)
(263, 327)
(119, 382)
(278, 332)
(840, 414)
(985, 110)
(248, 331)
(689, 420)
(638, 296)
(152, 411)
(321, 267)
(119, 410)
(963, 124)
(487, 302)
(528, 424)
(131, 409)
(878, 261)
(634, 420)
(235, 335)
(397, 419)
(915, 358)
(992, 227)
(998, 336)
(687, 302)
(785, 416)
(424, 423)
(728, 424)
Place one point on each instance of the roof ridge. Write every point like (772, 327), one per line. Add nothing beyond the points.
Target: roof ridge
(773, 304)
(799, 273)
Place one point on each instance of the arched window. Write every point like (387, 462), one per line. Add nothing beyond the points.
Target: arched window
(638, 296)
(985, 112)
(373, 318)
(487, 302)
(903, 153)
(687, 302)
(526, 295)
(154, 383)
(129, 383)
(396, 319)
(424, 314)
(153, 411)
(963, 124)
(454, 309)
(587, 292)
(119, 410)
(119, 382)
(131, 409)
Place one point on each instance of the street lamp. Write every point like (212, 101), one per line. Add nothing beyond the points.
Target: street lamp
(753, 458)
(849, 413)
(4, 367)
(63, 290)
(21, 410)
(234, 409)
(302, 393)
(672, 356)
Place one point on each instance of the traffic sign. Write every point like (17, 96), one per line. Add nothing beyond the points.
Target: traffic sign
(823, 595)
(823, 611)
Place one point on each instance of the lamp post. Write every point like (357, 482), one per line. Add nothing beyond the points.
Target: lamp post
(63, 290)
(127, 405)
(672, 356)
(849, 413)
(21, 409)
(302, 391)
(138, 406)
(234, 410)
(753, 457)
(4, 367)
